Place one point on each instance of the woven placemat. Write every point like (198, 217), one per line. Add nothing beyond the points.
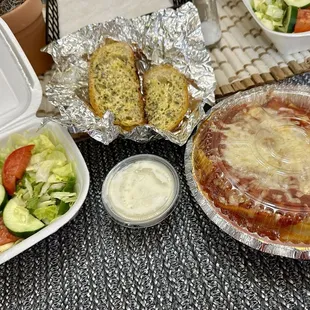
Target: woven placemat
(186, 262)
(245, 57)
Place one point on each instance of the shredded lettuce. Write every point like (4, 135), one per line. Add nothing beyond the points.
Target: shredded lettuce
(270, 12)
(66, 197)
(47, 188)
(32, 203)
(46, 213)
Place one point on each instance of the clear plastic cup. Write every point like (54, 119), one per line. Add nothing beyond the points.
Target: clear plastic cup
(141, 191)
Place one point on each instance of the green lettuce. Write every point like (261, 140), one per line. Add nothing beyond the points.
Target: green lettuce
(270, 12)
(47, 188)
(46, 213)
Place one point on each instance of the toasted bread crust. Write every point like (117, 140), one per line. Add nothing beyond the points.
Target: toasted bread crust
(114, 84)
(166, 96)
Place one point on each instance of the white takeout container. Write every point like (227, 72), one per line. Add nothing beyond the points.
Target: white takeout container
(286, 43)
(20, 98)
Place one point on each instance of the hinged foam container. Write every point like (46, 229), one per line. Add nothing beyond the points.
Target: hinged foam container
(20, 98)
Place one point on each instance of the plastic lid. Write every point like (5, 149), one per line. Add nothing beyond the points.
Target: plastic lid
(19, 86)
(251, 158)
(141, 191)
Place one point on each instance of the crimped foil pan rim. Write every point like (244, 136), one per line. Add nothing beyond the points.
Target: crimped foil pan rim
(251, 239)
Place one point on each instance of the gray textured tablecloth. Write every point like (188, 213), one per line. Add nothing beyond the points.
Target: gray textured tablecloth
(185, 262)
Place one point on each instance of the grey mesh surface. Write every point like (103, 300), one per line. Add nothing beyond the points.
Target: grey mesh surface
(185, 262)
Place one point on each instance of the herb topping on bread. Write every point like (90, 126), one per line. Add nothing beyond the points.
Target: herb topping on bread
(166, 96)
(114, 84)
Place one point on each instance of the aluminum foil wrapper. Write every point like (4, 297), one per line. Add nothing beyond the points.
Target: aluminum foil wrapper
(275, 247)
(167, 36)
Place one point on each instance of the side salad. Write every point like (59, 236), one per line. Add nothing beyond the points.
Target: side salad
(37, 185)
(289, 16)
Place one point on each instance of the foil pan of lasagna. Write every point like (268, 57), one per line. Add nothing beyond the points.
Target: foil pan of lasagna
(248, 166)
(168, 36)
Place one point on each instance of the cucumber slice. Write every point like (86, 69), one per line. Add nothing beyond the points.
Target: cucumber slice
(19, 221)
(289, 20)
(3, 197)
(298, 3)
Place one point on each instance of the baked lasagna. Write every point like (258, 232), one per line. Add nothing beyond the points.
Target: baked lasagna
(252, 161)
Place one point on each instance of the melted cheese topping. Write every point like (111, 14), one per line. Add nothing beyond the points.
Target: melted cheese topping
(270, 149)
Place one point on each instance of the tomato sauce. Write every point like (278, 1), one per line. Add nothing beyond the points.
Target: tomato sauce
(243, 206)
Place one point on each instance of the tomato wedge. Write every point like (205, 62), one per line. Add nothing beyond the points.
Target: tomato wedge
(303, 21)
(5, 235)
(14, 167)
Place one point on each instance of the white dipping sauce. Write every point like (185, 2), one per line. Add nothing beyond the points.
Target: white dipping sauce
(141, 191)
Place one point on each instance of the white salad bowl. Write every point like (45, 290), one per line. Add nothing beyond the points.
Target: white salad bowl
(286, 43)
(21, 96)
